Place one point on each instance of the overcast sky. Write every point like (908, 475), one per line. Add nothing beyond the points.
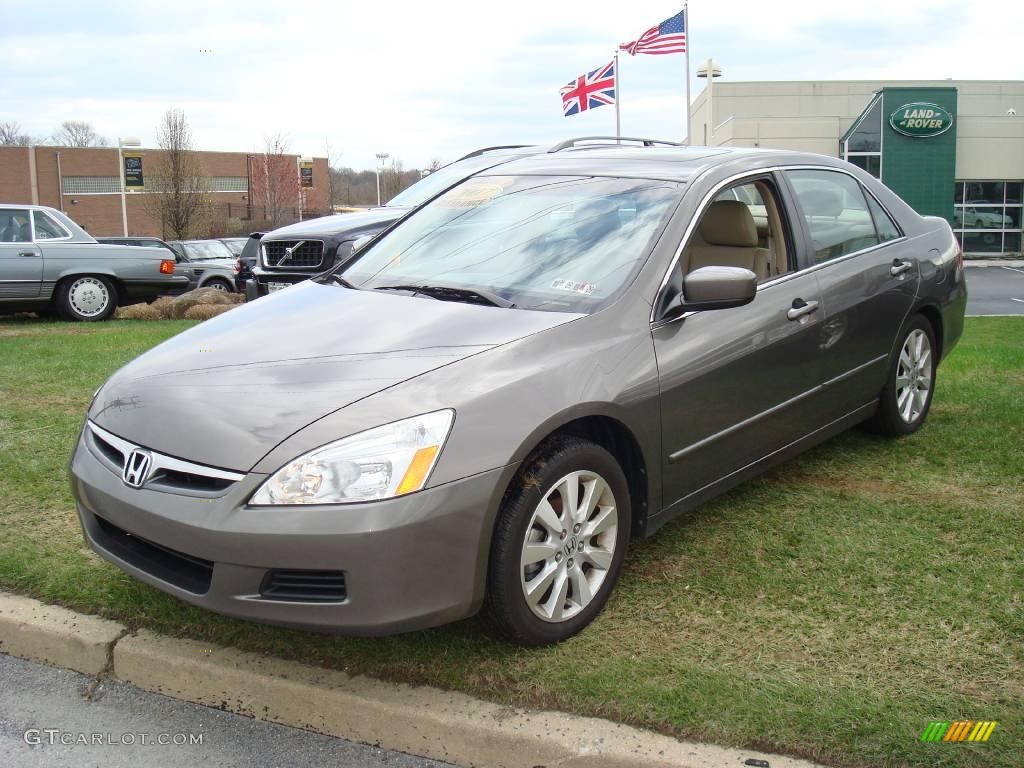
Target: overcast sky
(425, 80)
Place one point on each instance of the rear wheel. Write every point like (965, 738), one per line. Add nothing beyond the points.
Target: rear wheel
(907, 396)
(86, 298)
(559, 543)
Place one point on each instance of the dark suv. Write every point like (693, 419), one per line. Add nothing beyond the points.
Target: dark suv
(298, 251)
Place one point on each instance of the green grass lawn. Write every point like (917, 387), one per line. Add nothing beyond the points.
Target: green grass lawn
(829, 609)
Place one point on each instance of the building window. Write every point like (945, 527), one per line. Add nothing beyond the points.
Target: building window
(861, 145)
(988, 216)
(90, 185)
(229, 184)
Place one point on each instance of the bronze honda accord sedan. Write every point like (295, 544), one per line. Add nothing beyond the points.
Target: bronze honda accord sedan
(484, 405)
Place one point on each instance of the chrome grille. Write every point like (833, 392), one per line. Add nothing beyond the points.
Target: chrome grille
(293, 254)
(165, 473)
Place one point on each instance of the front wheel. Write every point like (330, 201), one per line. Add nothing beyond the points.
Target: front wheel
(559, 543)
(219, 285)
(907, 396)
(87, 298)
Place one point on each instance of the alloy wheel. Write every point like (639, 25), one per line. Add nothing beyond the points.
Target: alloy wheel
(914, 376)
(88, 296)
(569, 546)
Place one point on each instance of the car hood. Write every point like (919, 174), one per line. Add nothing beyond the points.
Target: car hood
(225, 392)
(336, 224)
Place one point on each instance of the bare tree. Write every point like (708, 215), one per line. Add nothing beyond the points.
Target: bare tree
(78, 133)
(391, 179)
(434, 165)
(333, 188)
(11, 135)
(181, 198)
(275, 181)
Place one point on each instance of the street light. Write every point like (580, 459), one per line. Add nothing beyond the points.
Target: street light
(127, 141)
(381, 157)
(710, 70)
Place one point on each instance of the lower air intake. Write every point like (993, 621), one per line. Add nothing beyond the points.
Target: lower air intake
(304, 586)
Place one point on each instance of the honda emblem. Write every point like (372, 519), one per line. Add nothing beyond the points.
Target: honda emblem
(136, 468)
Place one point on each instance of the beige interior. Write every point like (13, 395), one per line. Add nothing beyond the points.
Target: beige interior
(730, 235)
(729, 239)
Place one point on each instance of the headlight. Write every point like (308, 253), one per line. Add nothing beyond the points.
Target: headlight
(380, 463)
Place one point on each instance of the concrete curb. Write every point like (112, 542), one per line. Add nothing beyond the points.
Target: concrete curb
(32, 630)
(418, 720)
(1012, 263)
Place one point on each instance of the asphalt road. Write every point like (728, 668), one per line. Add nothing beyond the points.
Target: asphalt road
(995, 290)
(35, 698)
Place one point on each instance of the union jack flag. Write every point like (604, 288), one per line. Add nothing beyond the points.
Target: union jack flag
(594, 89)
(667, 37)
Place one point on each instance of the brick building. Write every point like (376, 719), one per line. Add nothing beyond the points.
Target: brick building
(85, 183)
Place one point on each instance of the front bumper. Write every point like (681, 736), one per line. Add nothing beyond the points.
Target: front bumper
(408, 563)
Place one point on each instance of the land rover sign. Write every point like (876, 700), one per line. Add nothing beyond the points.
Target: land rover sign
(921, 120)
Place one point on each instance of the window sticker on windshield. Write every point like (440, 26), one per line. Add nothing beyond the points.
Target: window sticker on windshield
(587, 289)
(474, 192)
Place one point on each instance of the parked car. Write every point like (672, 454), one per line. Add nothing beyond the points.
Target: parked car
(201, 250)
(138, 241)
(298, 251)
(247, 260)
(486, 404)
(234, 244)
(214, 273)
(981, 218)
(47, 262)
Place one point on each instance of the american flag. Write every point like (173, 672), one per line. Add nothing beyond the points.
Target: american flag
(594, 89)
(667, 37)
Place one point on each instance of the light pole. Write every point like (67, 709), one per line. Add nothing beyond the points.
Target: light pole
(127, 141)
(381, 157)
(710, 70)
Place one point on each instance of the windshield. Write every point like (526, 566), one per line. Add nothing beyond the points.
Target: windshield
(235, 245)
(554, 243)
(442, 178)
(207, 249)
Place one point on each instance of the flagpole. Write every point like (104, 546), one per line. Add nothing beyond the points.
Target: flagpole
(686, 31)
(618, 96)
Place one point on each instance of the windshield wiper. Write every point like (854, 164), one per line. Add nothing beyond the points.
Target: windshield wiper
(340, 280)
(451, 293)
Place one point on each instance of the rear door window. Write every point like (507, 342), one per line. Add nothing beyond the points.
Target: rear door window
(46, 228)
(836, 212)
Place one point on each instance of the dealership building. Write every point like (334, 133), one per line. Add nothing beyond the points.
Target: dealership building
(86, 183)
(950, 148)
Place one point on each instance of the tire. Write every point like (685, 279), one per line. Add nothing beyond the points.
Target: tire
(218, 284)
(911, 375)
(86, 298)
(585, 568)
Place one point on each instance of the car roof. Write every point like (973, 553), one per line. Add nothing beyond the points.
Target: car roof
(672, 163)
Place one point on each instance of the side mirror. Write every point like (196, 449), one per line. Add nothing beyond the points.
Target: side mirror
(718, 288)
(360, 242)
(713, 288)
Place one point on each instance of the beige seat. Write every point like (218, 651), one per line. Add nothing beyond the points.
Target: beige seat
(730, 239)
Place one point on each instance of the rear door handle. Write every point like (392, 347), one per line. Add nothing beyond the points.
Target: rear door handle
(28, 254)
(899, 267)
(801, 308)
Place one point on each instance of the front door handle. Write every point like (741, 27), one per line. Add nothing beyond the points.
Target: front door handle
(801, 308)
(899, 267)
(28, 254)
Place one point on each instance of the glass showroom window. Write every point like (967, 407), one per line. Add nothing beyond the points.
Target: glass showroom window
(862, 144)
(988, 216)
